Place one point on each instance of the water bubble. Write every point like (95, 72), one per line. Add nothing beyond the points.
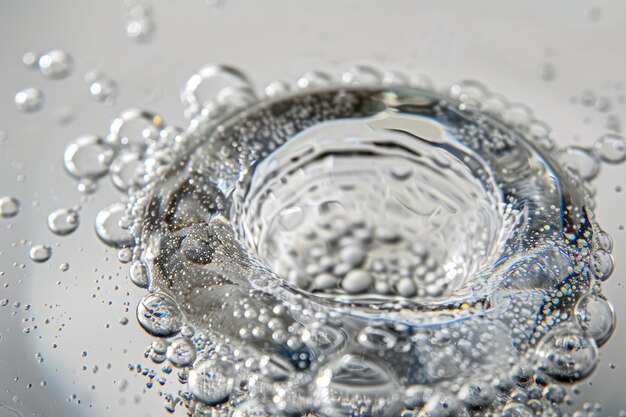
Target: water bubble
(567, 356)
(206, 85)
(139, 274)
(181, 352)
(602, 264)
(579, 160)
(469, 91)
(357, 281)
(361, 74)
(30, 59)
(139, 29)
(597, 317)
(110, 226)
(352, 383)
(29, 100)
(9, 207)
(611, 148)
(135, 129)
(211, 382)
(40, 253)
(126, 170)
(517, 115)
(87, 156)
(55, 64)
(102, 88)
(63, 221)
(159, 315)
(277, 89)
(314, 79)
(124, 255)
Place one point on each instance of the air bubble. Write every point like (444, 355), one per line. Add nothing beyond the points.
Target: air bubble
(29, 100)
(139, 274)
(63, 221)
(159, 315)
(597, 317)
(40, 253)
(567, 356)
(55, 64)
(102, 88)
(611, 148)
(580, 161)
(206, 85)
(110, 226)
(9, 207)
(314, 79)
(211, 382)
(181, 352)
(87, 156)
(361, 75)
(135, 130)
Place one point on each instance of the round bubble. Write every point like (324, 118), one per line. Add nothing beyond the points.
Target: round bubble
(63, 221)
(87, 156)
(29, 100)
(9, 207)
(159, 315)
(111, 227)
(611, 148)
(211, 381)
(596, 316)
(566, 355)
(55, 64)
(40, 253)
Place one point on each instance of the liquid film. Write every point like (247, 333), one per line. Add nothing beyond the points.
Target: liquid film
(362, 247)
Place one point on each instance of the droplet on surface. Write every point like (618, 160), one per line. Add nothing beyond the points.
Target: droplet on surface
(63, 221)
(597, 317)
(579, 160)
(211, 382)
(40, 253)
(159, 315)
(29, 100)
(87, 156)
(9, 207)
(110, 226)
(55, 64)
(611, 148)
(567, 356)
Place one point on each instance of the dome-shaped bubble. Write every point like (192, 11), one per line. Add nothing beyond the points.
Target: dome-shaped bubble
(596, 316)
(566, 355)
(611, 148)
(212, 381)
(87, 156)
(159, 315)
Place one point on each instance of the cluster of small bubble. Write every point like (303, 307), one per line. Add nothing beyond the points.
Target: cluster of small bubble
(139, 148)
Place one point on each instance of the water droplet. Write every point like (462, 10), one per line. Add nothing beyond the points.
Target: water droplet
(126, 170)
(29, 100)
(567, 356)
(211, 382)
(611, 148)
(30, 59)
(181, 352)
(361, 74)
(314, 79)
(277, 89)
(135, 129)
(87, 156)
(357, 281)
(597, 317)
(580, 161)
(206, 85)
(159, 315)
(9, 207)
(139, 274)
(55, 64)
(63, 221)
(139, 29)
(110, 226)
(40, 253)
(469, 91)
(102, 88)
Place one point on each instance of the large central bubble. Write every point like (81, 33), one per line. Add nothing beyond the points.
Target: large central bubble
(367, 250)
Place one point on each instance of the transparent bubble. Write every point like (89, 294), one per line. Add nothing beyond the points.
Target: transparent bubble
(63, 221)
(494, 104)
(567, 356)
(30, 59)
(140, 29)
(211, 382)
(29, 100)
(102, 88)
(611, 148)
(9, 207)
(127, 170)
(40, 253)
(597, 317)
(87, 156)
(55, 64)
(110, 226)
(580, 161)
(314, 79)
(517, 115)
(277, 89)
(207, 83)
(469, 91)
(361, 74)
(181, 352)
(396, 78)
(159, 315)
(135, 129)
(602, 264)
(139, 274)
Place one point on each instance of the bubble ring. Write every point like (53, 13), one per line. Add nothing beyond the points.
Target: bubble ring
(201, 240)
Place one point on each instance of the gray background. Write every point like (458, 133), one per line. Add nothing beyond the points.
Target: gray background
(504, 44)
